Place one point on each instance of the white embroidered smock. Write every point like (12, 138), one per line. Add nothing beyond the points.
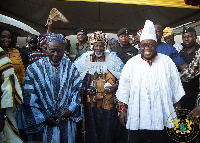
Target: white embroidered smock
(149, 92)
(112, 63)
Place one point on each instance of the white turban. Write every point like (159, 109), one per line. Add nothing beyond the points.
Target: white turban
(148, 31)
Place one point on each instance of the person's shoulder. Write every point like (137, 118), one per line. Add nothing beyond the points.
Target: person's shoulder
(162, 44)
(134, 50)
(160, 55)
(87, 44)
(39, 62)
(166, 47)
(84, 56)
(16, 51)
(177, 44)
(115, 48)
(112, 55)
(73, 46)
(164, 58)
(134, 59)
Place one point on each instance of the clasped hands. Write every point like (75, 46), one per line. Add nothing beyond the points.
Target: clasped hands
(108, 89)
(51, 121)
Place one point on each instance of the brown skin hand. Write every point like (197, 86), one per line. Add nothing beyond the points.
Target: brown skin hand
(123, 118)
(66, 114)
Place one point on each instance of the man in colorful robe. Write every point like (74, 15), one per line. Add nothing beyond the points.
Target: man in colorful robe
(51, 94)
(100, 71)
(11, 97)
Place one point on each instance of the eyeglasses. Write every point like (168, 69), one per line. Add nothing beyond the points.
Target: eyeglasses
(150, 45)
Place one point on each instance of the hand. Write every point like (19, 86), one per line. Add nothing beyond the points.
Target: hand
(52, 121)
(82, 89)
(49, 22)
(2, 122)
(123, 118)
(195, 113)
(112, 88)
(196, 110)
(66, 114)
(177, 105)
(98, 97)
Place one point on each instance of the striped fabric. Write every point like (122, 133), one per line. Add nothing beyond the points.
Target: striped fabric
(35, 55)
(48, 90)
(11, 96)
(18, 65)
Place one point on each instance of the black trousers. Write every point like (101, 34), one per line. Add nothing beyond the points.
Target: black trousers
(148, 136)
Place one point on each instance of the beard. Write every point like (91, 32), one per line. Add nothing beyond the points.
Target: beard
(55, 64)
(98, 55)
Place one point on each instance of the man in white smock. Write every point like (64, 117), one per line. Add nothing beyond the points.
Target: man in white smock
(149, 86)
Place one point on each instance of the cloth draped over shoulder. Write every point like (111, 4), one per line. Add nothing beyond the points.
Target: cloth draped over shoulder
(149, 92)
(11, 96)
(18, 65)
(112, 63)
(48, 90)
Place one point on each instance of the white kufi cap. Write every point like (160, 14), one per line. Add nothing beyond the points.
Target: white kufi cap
(148, 31)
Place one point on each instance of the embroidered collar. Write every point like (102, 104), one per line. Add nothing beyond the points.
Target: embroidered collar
(93, 58)
(150, 61)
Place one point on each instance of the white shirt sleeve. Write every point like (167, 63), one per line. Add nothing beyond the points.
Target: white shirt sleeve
(123, 91)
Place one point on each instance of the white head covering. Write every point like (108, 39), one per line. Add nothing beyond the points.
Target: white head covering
(148, 31)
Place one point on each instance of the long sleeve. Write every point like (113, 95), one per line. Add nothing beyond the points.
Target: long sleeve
(192, 70)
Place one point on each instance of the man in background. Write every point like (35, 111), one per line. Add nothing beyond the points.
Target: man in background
(168, 36)
(82, 46)
(188, 54)
(124, 50)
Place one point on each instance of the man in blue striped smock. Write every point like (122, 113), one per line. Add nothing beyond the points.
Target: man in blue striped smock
(10, 98)
(51, 94)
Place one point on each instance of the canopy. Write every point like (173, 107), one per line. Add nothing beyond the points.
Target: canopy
(97, 15)
(165, 3)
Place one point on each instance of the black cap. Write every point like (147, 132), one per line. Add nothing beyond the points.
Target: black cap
(123, 31)
(84, 31)
(188, 29)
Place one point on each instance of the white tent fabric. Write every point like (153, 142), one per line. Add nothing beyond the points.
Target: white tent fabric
(16, 23)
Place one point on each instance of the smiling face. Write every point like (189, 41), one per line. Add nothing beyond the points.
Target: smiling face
(55, 52)
(99, 48)
(148, 49)
(5, 39)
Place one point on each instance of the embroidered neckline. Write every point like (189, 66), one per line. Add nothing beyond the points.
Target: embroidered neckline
(150, 61)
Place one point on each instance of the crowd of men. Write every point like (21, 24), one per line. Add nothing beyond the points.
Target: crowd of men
(86, 93)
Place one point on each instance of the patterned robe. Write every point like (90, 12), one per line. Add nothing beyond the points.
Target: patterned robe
(11, 96)
(101, 117)
(18, 65)
(48, 90)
